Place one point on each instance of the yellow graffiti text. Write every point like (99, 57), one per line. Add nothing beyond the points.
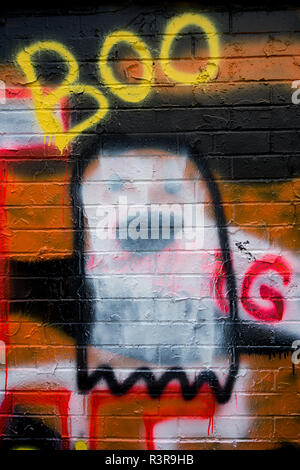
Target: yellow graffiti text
(45, 103)
(172, 30)
(127, 92)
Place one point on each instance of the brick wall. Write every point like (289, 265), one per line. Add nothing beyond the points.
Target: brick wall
(149, 234)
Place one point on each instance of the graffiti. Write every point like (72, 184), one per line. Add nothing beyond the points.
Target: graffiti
(45, 102)
(267, 293)
(269, 262)
(119, 328)
(133, 93)
(171, 32)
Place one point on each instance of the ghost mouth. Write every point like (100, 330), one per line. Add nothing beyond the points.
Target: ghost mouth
(156, 386)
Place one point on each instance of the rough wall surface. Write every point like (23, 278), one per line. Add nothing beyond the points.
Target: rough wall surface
(149, 228)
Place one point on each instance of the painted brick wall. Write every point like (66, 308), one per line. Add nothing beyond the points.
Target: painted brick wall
(149, 227)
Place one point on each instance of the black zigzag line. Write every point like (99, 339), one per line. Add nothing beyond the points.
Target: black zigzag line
(156, 386)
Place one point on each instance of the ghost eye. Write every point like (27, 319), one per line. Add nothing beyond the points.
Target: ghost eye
(116, 186)
(172, 187)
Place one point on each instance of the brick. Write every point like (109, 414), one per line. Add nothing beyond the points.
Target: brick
(80, 315)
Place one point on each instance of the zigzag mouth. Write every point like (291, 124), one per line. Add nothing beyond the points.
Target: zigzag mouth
(156, 386)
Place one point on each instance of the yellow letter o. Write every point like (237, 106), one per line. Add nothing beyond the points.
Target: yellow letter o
(172, 29)
(127, 92)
